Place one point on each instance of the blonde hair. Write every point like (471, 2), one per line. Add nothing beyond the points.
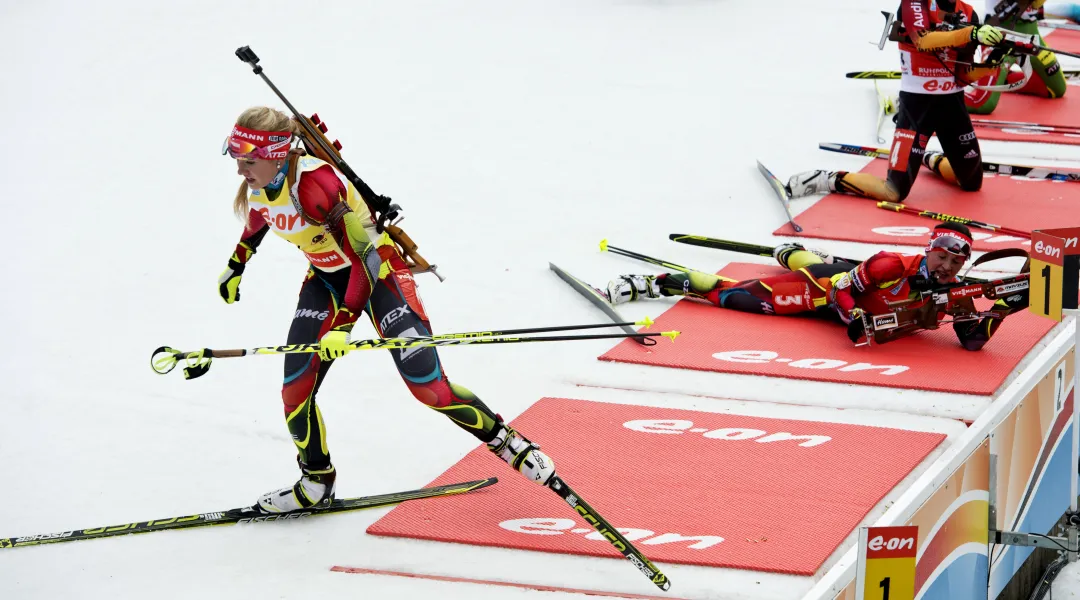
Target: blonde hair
(263, 118)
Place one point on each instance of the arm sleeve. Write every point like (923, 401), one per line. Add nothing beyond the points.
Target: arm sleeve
(880, 270)
(916, 17)
(255, 230)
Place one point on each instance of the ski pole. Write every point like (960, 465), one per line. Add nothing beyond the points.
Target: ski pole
(953, 219)
(164, 359)
(605, 247)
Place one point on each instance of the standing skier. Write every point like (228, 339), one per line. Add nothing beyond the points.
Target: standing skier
(832, 288)
(937, 48)
(353, 268)
(1021, 16)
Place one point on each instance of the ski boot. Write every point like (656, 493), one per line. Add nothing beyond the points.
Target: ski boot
(628, 288)
(811, 182)
(522, 454)
(931, 159)
(315, 489)
(785, 252)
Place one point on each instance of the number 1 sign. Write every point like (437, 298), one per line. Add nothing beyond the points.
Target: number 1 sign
(1055, 268)
(887, 563)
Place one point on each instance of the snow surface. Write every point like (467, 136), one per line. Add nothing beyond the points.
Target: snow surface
(1067, 584)
(513, 133)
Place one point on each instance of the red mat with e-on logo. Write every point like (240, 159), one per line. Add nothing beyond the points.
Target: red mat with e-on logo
(701, 488)
(715, 339)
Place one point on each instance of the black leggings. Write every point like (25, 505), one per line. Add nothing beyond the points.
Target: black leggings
(924, 115)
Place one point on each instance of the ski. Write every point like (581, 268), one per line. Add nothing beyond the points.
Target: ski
(1069, 74)
(1026, 126)
(243, 515)
(989, 167)
(617, 539)
(781, 194)
(873, 75)
(856, 150)
(600, 299)
(741, 247)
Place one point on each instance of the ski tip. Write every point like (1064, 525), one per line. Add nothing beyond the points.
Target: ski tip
(671, 334)
(646, 322)
(603, 245)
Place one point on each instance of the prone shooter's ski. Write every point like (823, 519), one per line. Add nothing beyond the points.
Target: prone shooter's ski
(243, 515)
(599, 299)
(781, 194)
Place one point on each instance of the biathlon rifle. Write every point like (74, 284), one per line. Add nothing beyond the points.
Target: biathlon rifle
(931, 306)
(387, 214)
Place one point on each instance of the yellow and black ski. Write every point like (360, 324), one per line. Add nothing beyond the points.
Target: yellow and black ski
(243, 516)
(612, 535)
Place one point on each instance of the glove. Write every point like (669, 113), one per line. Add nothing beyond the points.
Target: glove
(856, 331)
(334, 344)
(1015, 302)
(229, 280)
(997, 56)
(987, 35)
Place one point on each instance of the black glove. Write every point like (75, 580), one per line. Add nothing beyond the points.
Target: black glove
(997, 55)
(1015, 302)
(856, 331)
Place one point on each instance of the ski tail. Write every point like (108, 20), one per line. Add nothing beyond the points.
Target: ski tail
(599, 298)
(718, 244)
(873, 75)
(856, 150)
(617, 539)
(244, 515)
(886, 107)
(781, 194)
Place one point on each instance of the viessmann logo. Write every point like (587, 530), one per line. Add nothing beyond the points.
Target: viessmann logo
(760, 357)
(645, 537)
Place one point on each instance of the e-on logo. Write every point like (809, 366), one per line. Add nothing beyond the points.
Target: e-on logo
(549, 526)
(760, 357)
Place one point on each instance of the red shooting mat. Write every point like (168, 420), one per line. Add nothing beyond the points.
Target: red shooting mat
(1015, 202)
(728, 341)
(687, 487)
(1041, 111)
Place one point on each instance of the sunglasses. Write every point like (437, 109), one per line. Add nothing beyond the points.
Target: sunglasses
(238, 148)
(952, 245)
